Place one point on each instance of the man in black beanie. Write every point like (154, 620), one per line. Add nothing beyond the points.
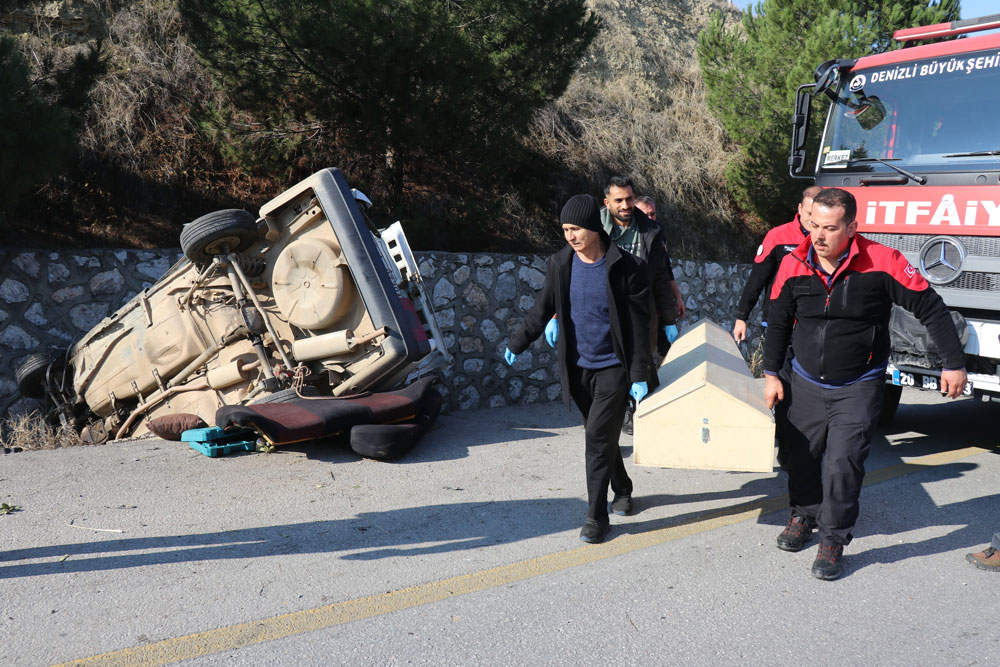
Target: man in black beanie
(601, 298)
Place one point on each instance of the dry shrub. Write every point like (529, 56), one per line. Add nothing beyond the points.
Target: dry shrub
(637, 107)
(153, 78)
(140, 119)
(756, 360)
(144, 165)
(521, 224)
(26, 432)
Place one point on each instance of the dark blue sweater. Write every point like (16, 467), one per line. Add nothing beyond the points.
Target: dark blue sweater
(591, 345)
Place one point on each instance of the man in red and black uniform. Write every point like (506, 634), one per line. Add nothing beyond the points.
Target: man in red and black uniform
(832, 299)
(776, 244)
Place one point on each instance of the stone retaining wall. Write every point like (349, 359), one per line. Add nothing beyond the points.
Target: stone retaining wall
(51, 298)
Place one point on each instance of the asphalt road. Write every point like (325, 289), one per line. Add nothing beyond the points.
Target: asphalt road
(466, 553)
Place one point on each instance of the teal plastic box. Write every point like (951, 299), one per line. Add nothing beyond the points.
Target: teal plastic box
(214, 441)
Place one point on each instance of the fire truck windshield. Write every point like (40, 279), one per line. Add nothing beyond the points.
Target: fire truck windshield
(929, 115)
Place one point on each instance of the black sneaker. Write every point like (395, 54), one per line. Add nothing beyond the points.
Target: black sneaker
(627, 424)
(622, 504)
(828, 561)
(796, 534)
(594, 531)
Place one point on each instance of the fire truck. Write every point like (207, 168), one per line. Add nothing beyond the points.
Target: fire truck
(914, 135)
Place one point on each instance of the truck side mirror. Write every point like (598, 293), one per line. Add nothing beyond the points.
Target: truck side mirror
(800, 130)
(826, 76)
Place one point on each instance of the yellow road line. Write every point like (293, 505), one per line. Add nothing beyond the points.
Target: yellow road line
(287, 625)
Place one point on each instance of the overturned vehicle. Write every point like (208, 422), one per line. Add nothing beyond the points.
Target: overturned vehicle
(307, 298)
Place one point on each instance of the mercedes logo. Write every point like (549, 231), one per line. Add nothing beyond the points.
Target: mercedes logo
(941, 259)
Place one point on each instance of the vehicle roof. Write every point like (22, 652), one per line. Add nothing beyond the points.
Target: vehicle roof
(948, 48)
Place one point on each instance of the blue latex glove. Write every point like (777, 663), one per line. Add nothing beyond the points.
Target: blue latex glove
(552, 332)
(638, 391)
(509, 357)
(671, 331)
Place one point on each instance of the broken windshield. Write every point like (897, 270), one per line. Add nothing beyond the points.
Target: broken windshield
(936, 114)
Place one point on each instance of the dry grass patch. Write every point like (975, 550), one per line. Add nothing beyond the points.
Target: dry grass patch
(28, 432)
(756, 360)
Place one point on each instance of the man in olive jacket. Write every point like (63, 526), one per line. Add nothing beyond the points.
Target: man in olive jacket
(601, 297)
(633, 231)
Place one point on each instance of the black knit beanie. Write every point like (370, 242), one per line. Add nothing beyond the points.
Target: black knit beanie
(582, 211)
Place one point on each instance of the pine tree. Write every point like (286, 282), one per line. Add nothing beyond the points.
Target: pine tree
(394, 79)
(752, 70)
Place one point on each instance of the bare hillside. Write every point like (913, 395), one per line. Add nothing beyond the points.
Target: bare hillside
(637, 107)
(147, 165)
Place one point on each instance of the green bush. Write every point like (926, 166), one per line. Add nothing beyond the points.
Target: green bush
(752, 70)
(404, 84)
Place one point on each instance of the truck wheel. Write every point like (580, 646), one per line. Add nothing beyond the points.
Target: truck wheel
(890, 403)
(30, 373)
(231, 230)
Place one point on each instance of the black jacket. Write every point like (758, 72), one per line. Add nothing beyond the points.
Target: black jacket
(657, 260)
(842, 331)
(628, 305)
(776, 244)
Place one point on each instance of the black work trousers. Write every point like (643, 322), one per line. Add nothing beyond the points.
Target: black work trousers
(828, 434)
(602, 396)
(781, 409)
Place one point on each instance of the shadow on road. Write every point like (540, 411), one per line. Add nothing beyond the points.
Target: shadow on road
(918, 430)
(371, 535)
(455, 527)
(965, 524)
(452, 435)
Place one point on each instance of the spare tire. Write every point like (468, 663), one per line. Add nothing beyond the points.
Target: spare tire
(911, 342)
(230, 230)
(30, 372)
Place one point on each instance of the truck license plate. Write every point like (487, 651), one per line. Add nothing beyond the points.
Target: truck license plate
(928, 382)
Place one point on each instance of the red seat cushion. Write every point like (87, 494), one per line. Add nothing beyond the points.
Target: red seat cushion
(310, 418)
(295, 421)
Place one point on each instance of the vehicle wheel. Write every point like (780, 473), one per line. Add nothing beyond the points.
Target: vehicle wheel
(30, 373)
(231, 230)
(890, 403)
(286, 395)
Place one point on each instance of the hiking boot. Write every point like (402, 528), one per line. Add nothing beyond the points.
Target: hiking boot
(796, 534)
(988, 559)
(622, 504)
(594, 531)
(828, 561)
(627, 424)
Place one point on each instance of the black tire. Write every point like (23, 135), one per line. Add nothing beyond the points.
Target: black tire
(30, 373)
(384, 442)
(287, 395)
(231, 230)
(890, 403)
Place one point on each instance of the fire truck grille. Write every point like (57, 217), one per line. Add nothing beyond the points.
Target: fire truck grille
(984, 246)
(987, 246)
(977, 281)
